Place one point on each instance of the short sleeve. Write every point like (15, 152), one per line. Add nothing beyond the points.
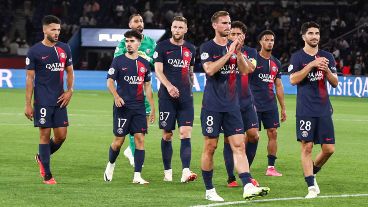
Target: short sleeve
(69, 60)
(331, 63)
(158, 55)
(30, 60)
(253, 57)
(294, 64)
(279, 66)
(205, 53)
(113, 71)
(193, 51)
(147, 76)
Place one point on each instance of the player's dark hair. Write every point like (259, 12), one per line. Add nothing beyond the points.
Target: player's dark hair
(265, 32)
(49, 19)
(133, 33)
(308, 25)
(218, 14)
(240, 25)
(132, 16)
(180, 19)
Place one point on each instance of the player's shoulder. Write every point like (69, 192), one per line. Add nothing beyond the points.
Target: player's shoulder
(297, 53)
(189, 45)
(325, 53)
(249, 49)
(35, 47)
(163, 43)
(143, 60)
(62, 44)
(208, 44)
(275, 60)
(149, 39)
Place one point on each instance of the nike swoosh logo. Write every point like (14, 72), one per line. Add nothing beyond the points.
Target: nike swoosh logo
(259, 67)
(216, 56)
(44, 57)
(168, 52)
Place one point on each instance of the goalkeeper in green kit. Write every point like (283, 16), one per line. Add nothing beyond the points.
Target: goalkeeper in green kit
(146, 51)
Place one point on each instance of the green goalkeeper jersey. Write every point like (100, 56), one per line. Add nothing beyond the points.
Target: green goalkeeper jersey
(146, 51)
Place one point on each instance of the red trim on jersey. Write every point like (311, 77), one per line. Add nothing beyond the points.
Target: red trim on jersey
(232, 76)
(322, 89)
(185, 69)
(273, 73)
(62, 58)
(244, 81)
(141, 72)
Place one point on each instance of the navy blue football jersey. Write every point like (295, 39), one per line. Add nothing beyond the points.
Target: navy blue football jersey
(245, 94)
(221, 91)
(130, 76)
(176, 67)
(49, 64)
(262, 83)
(312, 96)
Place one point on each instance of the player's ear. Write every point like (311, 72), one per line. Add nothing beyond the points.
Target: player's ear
(214, 25)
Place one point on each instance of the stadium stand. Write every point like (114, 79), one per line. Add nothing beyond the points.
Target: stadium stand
(344, 24)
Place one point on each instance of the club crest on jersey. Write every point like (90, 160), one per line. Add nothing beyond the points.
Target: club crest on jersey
(119, 130)
(62, 55)
(111, 71)
(233, 56)
(42, 121)
(27, 61)
(142, 69)
(204, 56)
(304, 134)
(186, 54)
(148, 51)
(274, 68)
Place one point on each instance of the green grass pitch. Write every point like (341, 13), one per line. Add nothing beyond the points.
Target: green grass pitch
(79, 165)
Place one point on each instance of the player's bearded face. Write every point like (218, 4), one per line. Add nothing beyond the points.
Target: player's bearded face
(178, 30)
(52, 32)
(136, 23)
(312, 37)
(223, 26)
(132, 44)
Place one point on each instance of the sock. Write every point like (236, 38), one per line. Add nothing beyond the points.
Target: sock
(44, 152)
(251, 150)
(167, 152)
(131, 143)
(309, 180)
(53, 146)
(316, 169)
(271, 160)
(138, 160)
(113, 155)
(185, 152)
(207, 179)
(245, 178)
(229, 162)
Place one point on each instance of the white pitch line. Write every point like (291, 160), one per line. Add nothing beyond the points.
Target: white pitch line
(280, 199)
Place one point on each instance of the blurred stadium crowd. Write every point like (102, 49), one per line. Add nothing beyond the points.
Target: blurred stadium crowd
(344, 24)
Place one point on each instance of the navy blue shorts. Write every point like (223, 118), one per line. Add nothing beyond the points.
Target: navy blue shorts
(171, 111)
(270, 119)
(320, 130)
(212, 122)
(249, 116)
(129, 121)
(50, 116)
